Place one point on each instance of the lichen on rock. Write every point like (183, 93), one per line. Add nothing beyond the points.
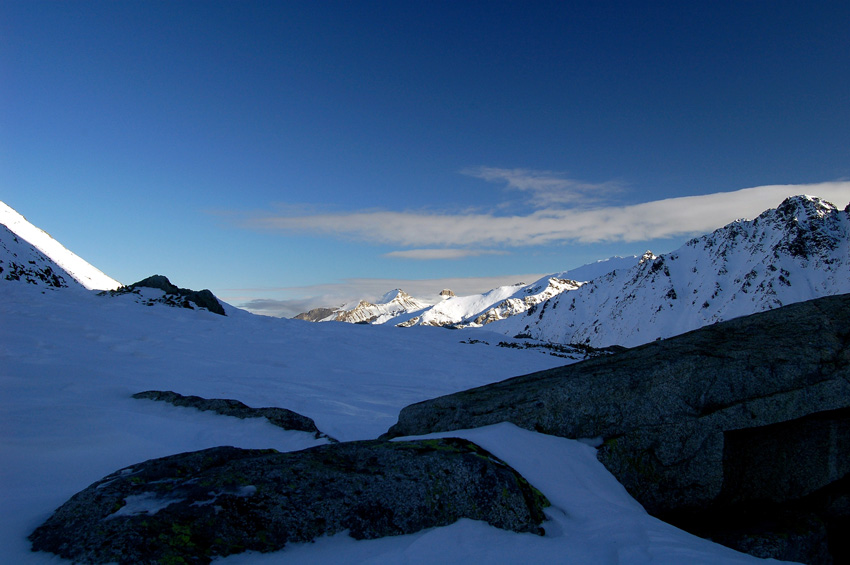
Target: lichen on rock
(221, 501)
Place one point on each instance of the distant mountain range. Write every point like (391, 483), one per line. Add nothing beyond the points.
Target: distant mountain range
(797, 251)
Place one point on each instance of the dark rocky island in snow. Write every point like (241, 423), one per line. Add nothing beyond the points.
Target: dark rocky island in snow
(171, 294)
(193, 507)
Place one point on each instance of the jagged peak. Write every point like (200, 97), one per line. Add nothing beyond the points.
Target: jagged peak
(647, 256)
(395, 294)
(802, 206)
(174, 295)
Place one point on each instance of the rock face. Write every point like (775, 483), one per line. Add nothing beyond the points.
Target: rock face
(192, 507)
(750, 411)
(281, 417)
(316, 314)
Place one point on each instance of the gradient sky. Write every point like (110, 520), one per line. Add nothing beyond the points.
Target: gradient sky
(310, 152)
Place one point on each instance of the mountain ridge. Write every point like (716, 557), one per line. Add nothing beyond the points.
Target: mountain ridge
(76, 267)
(795, 252)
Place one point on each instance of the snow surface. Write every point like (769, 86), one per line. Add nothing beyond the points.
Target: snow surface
(81, 271)
(597, 269)
(70, 361)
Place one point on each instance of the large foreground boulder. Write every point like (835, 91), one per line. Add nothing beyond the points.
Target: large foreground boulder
(192, 507)
(749, 413)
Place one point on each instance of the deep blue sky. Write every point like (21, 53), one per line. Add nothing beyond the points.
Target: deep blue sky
(268, 145)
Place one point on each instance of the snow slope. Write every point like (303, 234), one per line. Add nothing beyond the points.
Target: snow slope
(79, 270)
(796, 252)
(70, 361)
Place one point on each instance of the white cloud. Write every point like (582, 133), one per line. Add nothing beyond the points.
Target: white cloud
(432, 254)
(547, 188)
(671, 217)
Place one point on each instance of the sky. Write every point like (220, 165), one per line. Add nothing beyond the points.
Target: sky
(303, 154)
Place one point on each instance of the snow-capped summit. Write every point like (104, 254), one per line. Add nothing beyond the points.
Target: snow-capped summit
(480, 309)
(797, 251)
(74, 266)
(390, 305)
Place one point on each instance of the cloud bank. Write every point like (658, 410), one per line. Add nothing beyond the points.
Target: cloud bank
(547, 188)
(454, 235)
(429, 254)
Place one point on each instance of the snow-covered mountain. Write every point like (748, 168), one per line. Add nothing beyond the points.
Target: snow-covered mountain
(20, 261)
(798, 251)
(80, 271)
(390, 305)
(400, 309)
(479, 309)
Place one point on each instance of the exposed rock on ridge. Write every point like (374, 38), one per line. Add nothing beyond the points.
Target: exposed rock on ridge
(193, 507)
(173, 295)
(316, 314)
(63, 261)
(21, 261)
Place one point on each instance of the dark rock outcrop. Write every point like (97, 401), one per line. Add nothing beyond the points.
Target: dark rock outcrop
(750, 411)
(174, 296)
(281, 417)
(192, 507)
(203, 298)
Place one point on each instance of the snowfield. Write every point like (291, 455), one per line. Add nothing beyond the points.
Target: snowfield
(70, 361)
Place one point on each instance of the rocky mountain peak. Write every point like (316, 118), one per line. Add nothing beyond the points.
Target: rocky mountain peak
(395, 294)
(797, 251)
(172, 295)
(647, 256)
(802, 207)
